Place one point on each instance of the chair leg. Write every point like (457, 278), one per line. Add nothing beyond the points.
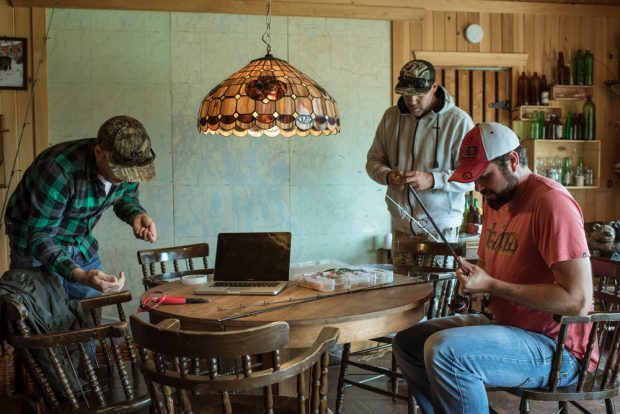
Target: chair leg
(609, 406)
(562, 407)
(344, 362)
(394, 379)
(524, 406)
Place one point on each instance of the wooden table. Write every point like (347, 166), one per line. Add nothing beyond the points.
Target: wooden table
(360, 315)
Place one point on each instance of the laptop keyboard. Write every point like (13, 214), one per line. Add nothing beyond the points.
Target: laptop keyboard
(245, 284)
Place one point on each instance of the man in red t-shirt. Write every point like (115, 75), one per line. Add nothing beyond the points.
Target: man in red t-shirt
(534, 263)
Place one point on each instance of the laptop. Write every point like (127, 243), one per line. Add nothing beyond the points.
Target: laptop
(250, 264)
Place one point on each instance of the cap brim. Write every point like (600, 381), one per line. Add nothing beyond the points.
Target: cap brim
(409, 91)
(134, 174)
(468, 173)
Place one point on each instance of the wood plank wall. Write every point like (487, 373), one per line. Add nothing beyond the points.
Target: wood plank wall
(14, 105)
(541, 37)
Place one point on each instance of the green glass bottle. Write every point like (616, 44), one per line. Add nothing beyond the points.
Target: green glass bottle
(588, 68)
(589, 119)
(568, 126)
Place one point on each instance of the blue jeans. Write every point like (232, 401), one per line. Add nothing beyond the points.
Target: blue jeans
(448, 361)
(74, 290)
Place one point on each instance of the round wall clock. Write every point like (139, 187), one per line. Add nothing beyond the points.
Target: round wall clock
(474, 33)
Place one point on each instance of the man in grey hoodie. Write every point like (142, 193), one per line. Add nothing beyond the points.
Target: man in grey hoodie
(415, 149)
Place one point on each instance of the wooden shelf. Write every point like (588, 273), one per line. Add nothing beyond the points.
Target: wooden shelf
(526, 112)
(571, 92)
(614, 85)
(590, 150)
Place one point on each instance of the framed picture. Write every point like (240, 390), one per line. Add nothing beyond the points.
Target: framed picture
(13, 63)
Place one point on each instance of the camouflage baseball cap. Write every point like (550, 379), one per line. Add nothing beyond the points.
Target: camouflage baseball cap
(416, 78)
(127, 147)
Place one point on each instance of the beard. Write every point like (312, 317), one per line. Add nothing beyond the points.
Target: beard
(506, 194)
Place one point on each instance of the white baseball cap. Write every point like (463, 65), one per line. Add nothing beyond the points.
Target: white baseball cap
(483, 143)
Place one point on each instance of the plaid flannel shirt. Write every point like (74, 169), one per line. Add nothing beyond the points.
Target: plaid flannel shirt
(58, 202)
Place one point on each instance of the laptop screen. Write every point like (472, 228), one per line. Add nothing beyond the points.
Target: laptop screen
(252, 256)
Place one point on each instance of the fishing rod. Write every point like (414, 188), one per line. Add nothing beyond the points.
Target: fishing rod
(431, 235)
(463, 301)
(35, 81)
(432, 277)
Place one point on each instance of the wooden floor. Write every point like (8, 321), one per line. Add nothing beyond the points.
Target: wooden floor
(359, 401)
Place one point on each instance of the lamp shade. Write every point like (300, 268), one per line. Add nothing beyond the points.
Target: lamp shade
(268, 96)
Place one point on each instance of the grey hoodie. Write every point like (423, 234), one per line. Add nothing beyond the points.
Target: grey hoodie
(431, 143)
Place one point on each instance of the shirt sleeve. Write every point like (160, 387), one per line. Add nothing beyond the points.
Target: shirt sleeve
(377, 159)
(559, 229)
(128, 204)
(51, 191)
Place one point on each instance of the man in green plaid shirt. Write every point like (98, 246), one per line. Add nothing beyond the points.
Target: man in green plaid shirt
(62, 195)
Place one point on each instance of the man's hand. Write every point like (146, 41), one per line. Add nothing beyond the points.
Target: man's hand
(472, 278)
(96, 279)
(419, 180)
(144, 228)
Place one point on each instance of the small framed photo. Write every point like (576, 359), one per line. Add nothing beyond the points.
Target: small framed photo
(13, 63)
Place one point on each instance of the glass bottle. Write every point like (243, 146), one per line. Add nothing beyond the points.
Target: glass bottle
(544, 91)
(589, 119)
(589, 178)
(567, 172)
(535, 126)
(588, 68)
(580, 173)
(559, 129)
(465, 214)
(560, 75)
(535, 89)
(577, 126)
(523, 90)
(551, 127)
(577, 68)
(568, 126)
(542, 125)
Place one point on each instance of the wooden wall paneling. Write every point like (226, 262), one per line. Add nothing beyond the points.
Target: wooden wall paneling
(518, 30)
(502, 87)
(507, 33)
(549, 47)
(496, 33)
(490, 95)
(477, 112)
(401, 50)
(439, 32)
(24, 114)
(463, 90)
(485, 23)
(461, 23)
(606, 69)
(449, 81)
(450, 31)
(415, 36)
(39, 109)
(427, 32)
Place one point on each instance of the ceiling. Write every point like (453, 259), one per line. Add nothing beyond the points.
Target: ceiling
(356, 9)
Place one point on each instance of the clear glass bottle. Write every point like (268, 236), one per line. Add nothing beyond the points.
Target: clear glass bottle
(589, 119)
(559, 129)
(589, 177)
(580, 173)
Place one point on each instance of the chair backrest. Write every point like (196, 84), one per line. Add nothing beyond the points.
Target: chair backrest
(182, 368)
(429, 257)
(184, 260)
(606, 331)
(91, 369)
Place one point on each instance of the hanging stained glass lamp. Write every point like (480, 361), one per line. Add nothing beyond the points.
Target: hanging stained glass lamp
(268, 96)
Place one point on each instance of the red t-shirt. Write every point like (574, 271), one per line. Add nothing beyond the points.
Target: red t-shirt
(543, 225)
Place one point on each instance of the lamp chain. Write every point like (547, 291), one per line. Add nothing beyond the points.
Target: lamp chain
(267, 35)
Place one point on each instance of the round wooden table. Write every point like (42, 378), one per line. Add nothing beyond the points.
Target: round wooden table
(360, 315)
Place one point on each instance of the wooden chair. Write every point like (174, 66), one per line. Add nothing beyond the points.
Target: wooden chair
(432, 261)
(601, 384)
(181, 368)
(90, 370)
(155, 263)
